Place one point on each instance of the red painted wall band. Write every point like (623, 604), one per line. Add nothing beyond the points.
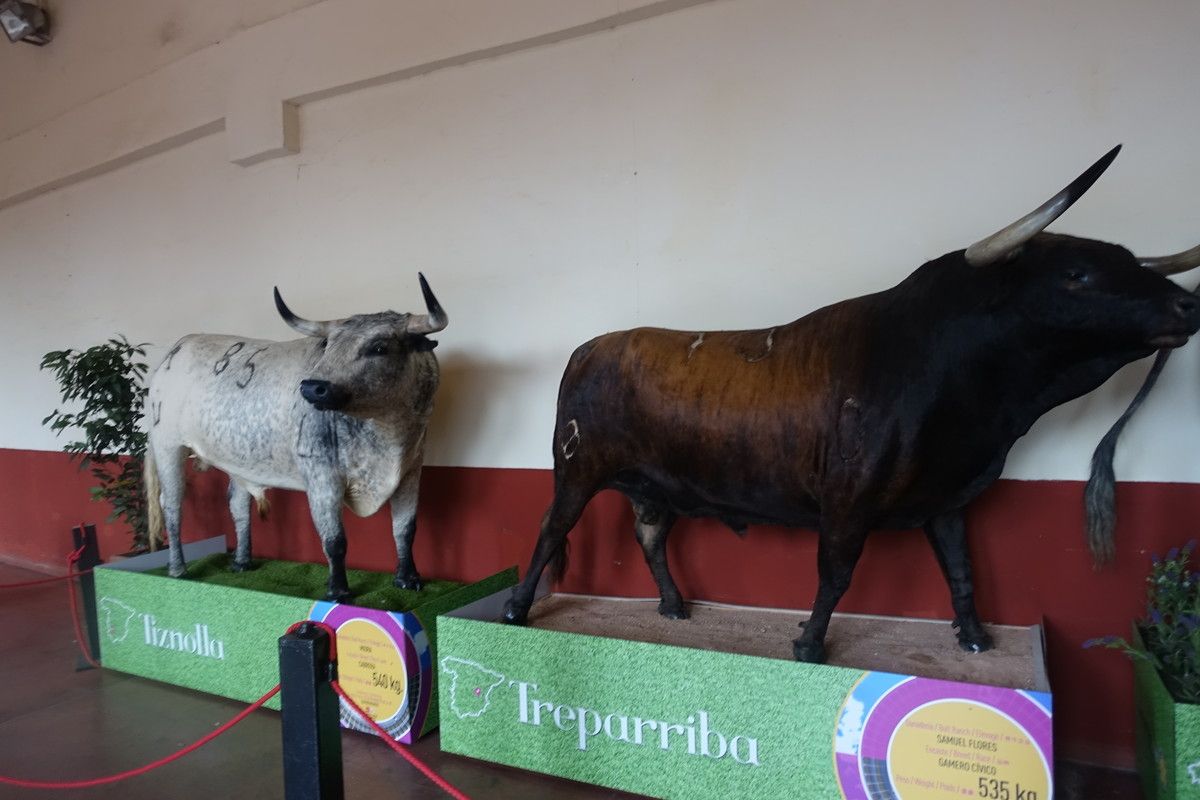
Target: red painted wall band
(1031, 562)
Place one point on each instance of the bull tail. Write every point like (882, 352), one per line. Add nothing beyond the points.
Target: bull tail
(1099, 496)
(560, 560)
(154, 513)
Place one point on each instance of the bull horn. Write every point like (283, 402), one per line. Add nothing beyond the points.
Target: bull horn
(1006, 241)
(432, 322)
(1170, 265)
(306, 326)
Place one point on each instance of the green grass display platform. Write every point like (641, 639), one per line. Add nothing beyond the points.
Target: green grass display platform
(217, 631)
(298, 579)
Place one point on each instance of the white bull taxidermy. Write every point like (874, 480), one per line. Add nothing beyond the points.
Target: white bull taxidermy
(340, 414)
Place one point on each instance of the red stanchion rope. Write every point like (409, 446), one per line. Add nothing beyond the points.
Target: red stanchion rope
(424, 768)
(71, 559)
(71, 573)
(420, 765)
(120, 776)
(55, 579)
(83, 784)
(400, 749)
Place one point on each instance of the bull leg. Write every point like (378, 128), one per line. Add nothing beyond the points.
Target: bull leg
(947, 534)
(652, 526)
(837, 554)
(169, 463)
(562, 515)
(239, 509)
(404, 529)
(326, 510)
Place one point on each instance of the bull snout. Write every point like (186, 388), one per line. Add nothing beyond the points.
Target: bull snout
(323, 394)
(1188, 310)
(1185, 312)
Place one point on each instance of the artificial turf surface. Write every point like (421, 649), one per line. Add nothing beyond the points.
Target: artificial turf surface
(296, 579)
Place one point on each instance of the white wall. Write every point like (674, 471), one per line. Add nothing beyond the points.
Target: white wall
(100, 46)
(735, 163)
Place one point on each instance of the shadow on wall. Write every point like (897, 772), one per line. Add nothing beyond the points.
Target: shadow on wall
(476, 394)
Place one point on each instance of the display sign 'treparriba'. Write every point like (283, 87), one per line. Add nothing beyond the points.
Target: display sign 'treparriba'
(678, 722)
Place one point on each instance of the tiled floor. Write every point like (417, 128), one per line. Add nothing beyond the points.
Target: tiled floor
(59, 724)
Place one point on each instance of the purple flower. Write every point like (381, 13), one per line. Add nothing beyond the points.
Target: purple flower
(1156, 616)
(1103, 641)
(1173, 554)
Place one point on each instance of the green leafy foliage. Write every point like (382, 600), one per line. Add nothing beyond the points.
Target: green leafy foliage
(1171, 627)
(109, 381)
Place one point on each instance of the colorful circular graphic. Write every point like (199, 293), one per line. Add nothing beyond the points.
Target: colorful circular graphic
(903, 738)
(381, 659)
(371, 669)
(958, 747)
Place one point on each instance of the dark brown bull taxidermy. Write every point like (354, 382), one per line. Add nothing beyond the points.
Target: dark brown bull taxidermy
(892, 410)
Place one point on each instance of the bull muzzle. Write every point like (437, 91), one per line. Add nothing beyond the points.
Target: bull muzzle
(1186, 313)
(324, 395)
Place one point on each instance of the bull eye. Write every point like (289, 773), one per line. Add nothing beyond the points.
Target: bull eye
(1076, 275)
(377, 348)
(324, 344)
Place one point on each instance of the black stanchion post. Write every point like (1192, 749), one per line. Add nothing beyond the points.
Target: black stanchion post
(312, 738)
(85, 536)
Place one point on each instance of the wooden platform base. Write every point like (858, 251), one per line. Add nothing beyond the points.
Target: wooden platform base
(927, 648)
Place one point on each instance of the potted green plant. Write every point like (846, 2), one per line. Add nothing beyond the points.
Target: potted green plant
(106, 383)
(1165, 648)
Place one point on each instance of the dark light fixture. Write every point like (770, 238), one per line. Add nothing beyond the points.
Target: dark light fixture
(24, 22)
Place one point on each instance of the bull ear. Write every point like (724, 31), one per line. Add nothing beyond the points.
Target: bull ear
(1169, 265)
(306, 326)
(1006, 241)
(432, 322)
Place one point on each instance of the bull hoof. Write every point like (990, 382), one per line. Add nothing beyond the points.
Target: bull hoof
(808, 652)
(241, 566)
(674, 610)
(977, 643)
(410, 582)
(339, 596)
(973, 638)
(177, 572)
(513, 616)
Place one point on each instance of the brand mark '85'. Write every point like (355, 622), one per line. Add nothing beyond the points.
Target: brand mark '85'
(222, 363)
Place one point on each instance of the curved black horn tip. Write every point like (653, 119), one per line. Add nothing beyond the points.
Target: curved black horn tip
(1091, 174)
(281, 306)
(431, 302)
